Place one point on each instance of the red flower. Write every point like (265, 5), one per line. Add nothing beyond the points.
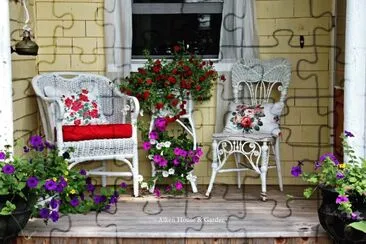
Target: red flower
(175, 71)
(223, 78)
(95, 105)
(202, 78)
(172, 80)
(174, 102)
(149, 81)
(159, 105)
(176, 48)
(170, 96)
(85, 91)
(198, 87)
(246, 122)
(142, 71)
(77, 122)
(156, 69)
(76, 106)
(186, 68)
(68, 102)
(94, 113)
(146, 95)
(83, 98)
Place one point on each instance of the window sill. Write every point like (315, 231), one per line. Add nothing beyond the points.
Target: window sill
(219, 66)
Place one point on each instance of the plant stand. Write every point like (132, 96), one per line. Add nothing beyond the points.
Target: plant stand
(187, 122)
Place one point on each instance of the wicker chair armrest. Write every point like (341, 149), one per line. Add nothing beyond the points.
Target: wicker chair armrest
(136, 109)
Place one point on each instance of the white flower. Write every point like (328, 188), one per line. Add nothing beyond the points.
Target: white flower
(168, 143)
(140, 178)
(153, 141)
(150, 156)
(171, 171)
(159, 146)
(161, 153)
(141, 112)
(165, 173)
(144, 185)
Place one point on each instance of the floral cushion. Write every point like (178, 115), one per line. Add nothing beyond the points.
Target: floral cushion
(81, 108)
(254, 119)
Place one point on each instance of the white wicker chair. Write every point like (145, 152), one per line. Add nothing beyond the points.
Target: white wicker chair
(254, 82)
(116, 107)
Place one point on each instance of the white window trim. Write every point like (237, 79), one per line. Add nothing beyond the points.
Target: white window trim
(219, 66)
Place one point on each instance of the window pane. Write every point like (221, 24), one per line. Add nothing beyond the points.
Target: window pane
(159, 32)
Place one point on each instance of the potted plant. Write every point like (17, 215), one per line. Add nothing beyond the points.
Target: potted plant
(39, 184)
(163, 84)
(172, 157)
(343, 186)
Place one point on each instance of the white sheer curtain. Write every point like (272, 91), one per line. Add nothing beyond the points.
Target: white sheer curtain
(118, 37)
(238, 39)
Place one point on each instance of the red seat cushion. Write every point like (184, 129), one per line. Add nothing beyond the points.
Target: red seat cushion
(93, 132)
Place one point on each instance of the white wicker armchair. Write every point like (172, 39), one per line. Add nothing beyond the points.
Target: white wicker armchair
(116, 107)
(254, 83)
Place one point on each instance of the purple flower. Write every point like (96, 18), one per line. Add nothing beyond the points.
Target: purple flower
(331, 157)
(50, 185)
(74, 201)
(317, 165)
(54, 203)
(59, 188)
(36, 141)
(82, 172)
(32, 182)
(178, 185)
(113, 200)
(146, 145)
(157, 193)
(54, 216)
(160, 124)
(49, 145)
(163, 162)
(176, 162)
(88, 180)
(168, 188)
(26, 149)
(153, 135)
(355, 215)
(177, 151)
(63, 182)
(199, 152)
(44, 213)
(190, 153)
(183, 153)
(339, 175)
(99, 199)
(157, 158)
(123, 185)
(196, 159)
(90, 187)
(296, 170)
(348, 134)
(8, 169)
(2, 155)
(341, 199)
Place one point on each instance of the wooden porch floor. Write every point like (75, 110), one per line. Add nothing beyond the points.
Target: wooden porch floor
(230, 215)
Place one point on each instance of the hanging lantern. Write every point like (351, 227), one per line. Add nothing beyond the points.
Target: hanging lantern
(26, 46)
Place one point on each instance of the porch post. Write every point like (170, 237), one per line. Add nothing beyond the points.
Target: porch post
(355, 75)
(6, 101)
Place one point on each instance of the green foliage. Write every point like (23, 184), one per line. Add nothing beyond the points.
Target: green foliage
(360, 225)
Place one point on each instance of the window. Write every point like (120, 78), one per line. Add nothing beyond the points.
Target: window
(159, 24)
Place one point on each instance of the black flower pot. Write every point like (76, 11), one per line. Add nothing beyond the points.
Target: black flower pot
(11, 225)
(335, 223)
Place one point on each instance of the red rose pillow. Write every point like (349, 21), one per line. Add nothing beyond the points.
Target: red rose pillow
(81, 108)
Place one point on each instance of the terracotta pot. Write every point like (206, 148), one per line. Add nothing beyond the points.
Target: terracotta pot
(335, 223)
